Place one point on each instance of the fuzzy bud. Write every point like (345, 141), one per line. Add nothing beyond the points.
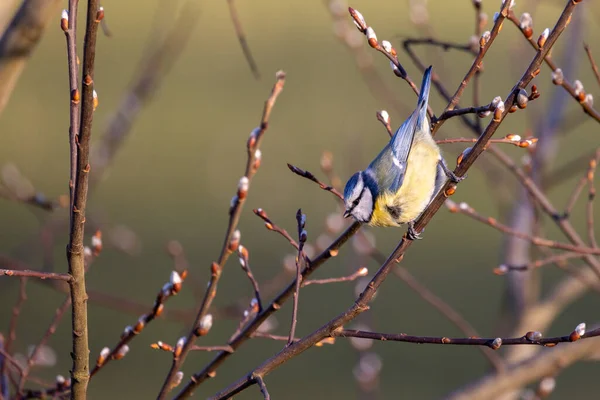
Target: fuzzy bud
(253, 137)
(64, 20)
(179, 346)
(205, 324)
(122, 352)
(234, 242)
(176, 281)
(501, 269)
(533, 336)
(387, 46)
(499, 111)
(543, 37)
(372, 37)
(462, 155)
(546, 387)
(139, 326)
(580, 329)
(384, 116)
(177, 380)
(242, 188)
(95, 99)
(358, 18)
(513, 137)
(496, 343)
(100, 14)
(97, 243)
(484, 39)
(557, 76)
(104, 353)
(522, 99)
(60, 380)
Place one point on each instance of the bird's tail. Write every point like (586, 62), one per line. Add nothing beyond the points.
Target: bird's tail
(424, 97)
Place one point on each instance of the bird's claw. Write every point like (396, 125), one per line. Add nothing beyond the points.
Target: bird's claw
(455, 178)
(412, 234)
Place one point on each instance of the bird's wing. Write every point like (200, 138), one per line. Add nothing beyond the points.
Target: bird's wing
(402, 141)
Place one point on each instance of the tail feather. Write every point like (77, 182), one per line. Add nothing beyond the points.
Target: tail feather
(424, 97)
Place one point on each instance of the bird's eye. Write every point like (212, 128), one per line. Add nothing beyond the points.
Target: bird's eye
(355, 202)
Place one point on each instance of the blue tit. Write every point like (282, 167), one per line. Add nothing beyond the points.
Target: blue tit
(403, 179)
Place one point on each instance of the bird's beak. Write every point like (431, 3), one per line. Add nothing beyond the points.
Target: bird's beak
(347, 214)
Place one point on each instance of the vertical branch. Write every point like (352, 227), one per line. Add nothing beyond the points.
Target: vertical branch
(12, 333)
(69, 26)
(80, 372)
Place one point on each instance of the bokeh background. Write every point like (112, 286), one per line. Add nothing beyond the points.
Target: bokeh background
(175, 174)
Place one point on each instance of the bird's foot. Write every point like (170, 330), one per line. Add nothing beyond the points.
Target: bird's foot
(411, 233)
(449, 173)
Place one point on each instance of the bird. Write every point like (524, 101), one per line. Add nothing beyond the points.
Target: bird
(403, 179)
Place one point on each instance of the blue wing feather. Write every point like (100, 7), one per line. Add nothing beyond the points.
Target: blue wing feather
(401, 142)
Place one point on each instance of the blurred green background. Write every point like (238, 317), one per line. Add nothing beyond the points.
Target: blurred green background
(175, 174)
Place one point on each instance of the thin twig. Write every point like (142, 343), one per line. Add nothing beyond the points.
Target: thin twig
(465, 209)
(308, 175)
(27, 273)
(245, 264)
(590, 203)
(263, 387)
(239, 31)
(530, 338)
(352, 277)
(592, 62)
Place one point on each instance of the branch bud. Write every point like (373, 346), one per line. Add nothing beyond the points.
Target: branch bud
(543, 37)
(496, 343)
(122, 352)
(234, 242)
(243, 186)
(64, 20)
(358, 18)
(100, 14)
(204, 325)
(484, 39)
(372, 37)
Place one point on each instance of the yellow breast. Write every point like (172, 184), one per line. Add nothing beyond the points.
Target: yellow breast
(416, 190)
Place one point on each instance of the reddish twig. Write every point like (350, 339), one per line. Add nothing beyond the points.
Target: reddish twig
(245, 264)
(27, 273)
(592, 62)
(352, 277)
(270, 225)
(308, 175)
(515, 140)
(231, 242)
(239, 31)
(465, 209)
(530, 338)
